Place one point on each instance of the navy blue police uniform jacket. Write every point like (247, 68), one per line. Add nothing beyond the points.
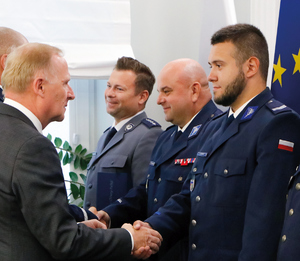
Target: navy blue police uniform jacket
(171, 161)
(289, 249)
(233, 201)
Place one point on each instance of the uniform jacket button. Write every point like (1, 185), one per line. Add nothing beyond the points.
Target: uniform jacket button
(159, 180)
(90, 185)
(194, 246)
(197, 199)
(194, 169)
(155, 200)
(225, 171)
(180, 179)
(298, 186)
(291, 212)
(205, 175)
(194, 222)
(283, 238)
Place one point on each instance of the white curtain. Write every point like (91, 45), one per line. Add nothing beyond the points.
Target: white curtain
(92, 33)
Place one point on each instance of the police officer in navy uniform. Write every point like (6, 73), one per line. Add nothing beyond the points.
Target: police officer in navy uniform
(185, 97)
(290, 235)
(232, 203)
(9, 39)
(121, 160)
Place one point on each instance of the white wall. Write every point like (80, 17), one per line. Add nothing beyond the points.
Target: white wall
(164, 30)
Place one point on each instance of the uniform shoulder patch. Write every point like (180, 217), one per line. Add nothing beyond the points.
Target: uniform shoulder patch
(277, 107)
(150, 123)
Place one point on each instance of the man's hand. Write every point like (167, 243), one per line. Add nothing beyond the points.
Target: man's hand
(94, 223)
(146, 240)
(101, 215)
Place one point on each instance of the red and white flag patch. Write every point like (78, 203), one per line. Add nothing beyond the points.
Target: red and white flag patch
(286, 145)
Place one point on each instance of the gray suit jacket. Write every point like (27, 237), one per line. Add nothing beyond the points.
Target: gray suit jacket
(35, 223)
(123, 163)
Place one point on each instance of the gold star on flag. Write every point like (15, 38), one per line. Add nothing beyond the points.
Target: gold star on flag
(297, 62)
(278, 71)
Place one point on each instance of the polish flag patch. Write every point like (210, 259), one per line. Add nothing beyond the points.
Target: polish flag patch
(286, 145)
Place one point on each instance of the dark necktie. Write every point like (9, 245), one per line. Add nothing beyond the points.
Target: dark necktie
(1, 96)
(177, 135)
(228, 121)
(110, 134)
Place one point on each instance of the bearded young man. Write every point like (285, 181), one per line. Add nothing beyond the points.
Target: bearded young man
(233, 201)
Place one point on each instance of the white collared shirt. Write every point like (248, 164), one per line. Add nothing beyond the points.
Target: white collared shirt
(36, 122)
(186, 125)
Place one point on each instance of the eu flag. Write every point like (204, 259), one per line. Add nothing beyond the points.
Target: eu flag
(286, 74)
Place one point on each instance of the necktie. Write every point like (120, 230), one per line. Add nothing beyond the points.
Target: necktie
(177, 135)
(110, 134)
(228, 121)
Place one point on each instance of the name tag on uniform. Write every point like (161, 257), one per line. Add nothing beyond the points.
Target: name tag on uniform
(202, 154)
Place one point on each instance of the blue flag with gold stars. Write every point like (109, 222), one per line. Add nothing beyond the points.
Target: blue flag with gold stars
(286, 68)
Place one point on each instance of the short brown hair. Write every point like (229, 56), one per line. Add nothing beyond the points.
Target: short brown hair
(145, 79)
(24, 62)
(249, 41)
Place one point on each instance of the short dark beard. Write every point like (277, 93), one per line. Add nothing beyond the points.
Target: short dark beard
(232, 91)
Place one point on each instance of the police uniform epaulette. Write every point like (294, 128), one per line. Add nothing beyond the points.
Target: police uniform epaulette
(150, 123)
(277, 107)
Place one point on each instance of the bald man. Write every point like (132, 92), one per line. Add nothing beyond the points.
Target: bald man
(186, 100)
(9, 39)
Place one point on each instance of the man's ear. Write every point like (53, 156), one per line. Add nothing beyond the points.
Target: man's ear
(251, 66)
(3, 60)
(38, 86)
(144, 95)
(196, 90)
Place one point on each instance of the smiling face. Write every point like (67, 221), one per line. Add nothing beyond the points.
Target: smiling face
(228, 79)
(57, 89)
(121, 99)
(175, 96)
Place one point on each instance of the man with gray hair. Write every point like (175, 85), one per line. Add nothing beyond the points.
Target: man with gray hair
(35, 222)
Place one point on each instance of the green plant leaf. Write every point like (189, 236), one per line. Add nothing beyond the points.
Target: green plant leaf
(73, 176)
(75, 191)
(76, 162)
(49, 136)
(88, 157)
(60, 155)
(57, 142)
(83, 164)
(66, 145)
(66, 159)
(83, 152)
(82, 191)
(80, 204)
(78, 149)
(83, 177)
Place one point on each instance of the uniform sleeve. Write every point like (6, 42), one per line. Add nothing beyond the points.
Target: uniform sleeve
(39, 188)
(142, 154)
(278, 154)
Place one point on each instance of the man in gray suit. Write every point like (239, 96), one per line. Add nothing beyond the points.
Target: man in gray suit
(35, 223)
(9, 39)
(121, 162)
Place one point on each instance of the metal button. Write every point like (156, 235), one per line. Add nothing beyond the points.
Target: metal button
(159, 180)
(180, 179)
(212, 115)
(297, 168)
(197, 199)
(112, 163)
(194, 222)
(287, 196)
(148, 175)
(291, 212)
(194, 169)
(194, 246)
(205, 175)
(225, 171)
(298, 186)
(155, 200)
(90, 185)
(283, 239)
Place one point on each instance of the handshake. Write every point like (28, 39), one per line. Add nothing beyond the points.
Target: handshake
(146, 240)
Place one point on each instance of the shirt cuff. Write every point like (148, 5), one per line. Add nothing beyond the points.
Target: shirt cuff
(85, 216)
